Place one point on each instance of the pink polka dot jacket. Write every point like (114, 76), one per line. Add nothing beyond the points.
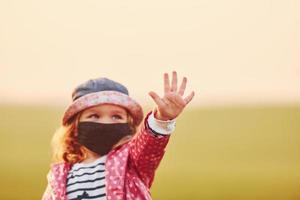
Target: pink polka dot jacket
(130, 168)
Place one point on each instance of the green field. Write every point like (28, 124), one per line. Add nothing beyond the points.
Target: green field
(221, 153)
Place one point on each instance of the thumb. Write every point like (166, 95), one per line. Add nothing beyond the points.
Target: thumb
(156, 98)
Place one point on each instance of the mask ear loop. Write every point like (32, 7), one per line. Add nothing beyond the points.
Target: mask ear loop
(76, 129)
(76, 124)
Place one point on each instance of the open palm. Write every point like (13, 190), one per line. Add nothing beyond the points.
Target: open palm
(172, 103)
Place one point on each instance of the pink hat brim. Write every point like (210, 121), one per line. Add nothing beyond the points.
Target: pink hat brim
(104, 97)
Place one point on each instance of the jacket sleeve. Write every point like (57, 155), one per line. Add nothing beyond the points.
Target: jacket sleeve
(146, 151)
(48, 193)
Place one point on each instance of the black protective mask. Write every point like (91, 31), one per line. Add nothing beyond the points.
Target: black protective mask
(101, 137)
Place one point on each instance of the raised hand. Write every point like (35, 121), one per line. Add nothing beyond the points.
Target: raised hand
(172, 103)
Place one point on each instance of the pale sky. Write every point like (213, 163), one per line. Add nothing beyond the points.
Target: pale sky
(232, 51)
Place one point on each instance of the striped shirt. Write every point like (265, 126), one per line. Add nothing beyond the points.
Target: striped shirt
(87, 181)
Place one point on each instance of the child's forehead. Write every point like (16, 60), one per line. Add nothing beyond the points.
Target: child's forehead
(105, 108)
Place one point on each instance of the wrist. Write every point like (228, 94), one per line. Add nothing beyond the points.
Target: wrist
(158, 116)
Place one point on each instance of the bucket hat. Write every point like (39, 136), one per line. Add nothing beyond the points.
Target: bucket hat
(102, 91)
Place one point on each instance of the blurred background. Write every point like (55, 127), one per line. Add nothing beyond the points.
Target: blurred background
(237, 140)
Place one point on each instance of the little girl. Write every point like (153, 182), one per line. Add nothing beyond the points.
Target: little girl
(97, 152)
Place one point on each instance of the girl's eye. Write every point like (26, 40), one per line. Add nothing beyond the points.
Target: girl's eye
(117, 116)
(94, 115)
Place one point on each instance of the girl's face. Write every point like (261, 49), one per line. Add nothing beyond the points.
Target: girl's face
(105, 113)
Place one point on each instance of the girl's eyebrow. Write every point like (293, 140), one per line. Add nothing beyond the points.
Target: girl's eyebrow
(118, 112)
(92, 110)
(113, 111)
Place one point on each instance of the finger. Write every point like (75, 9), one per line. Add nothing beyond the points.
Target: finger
(156, 99)
(182, 86)
(189, 98)
(166, 82)
(174, 81)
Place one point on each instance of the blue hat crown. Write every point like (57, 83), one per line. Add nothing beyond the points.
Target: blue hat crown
(97, 85)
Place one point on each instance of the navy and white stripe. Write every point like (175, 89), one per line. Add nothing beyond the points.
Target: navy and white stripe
(87, 181)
